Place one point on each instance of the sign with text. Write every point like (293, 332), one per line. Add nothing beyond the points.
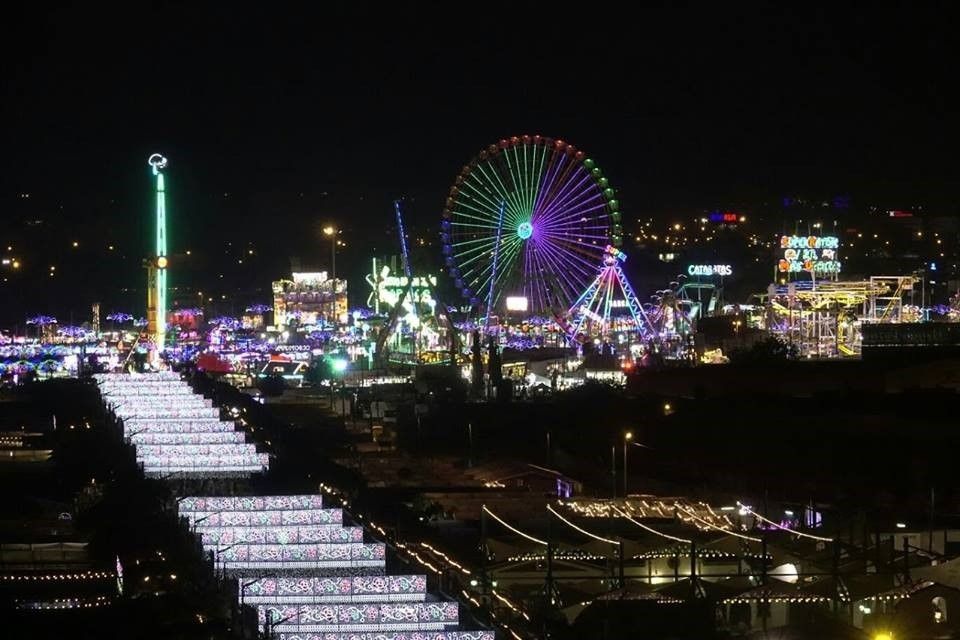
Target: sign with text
(814, 254)
(709, 270)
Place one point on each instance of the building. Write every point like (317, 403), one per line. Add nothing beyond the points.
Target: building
(309, 298)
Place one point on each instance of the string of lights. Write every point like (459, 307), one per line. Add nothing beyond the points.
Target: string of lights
(722, 530)
(781, 527)
(650, 529)
(450, 561)
(581, 530)
(511, 528)
(87, 575)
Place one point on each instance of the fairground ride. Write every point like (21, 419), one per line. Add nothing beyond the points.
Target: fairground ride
(824, 320)
(525, 213)
(418, 329)
(608, 308)
(156, 265)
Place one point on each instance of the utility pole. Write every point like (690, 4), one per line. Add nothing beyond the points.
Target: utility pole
(613, 469)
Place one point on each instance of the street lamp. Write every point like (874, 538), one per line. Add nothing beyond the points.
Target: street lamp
(331, 231)
(627, 441)
(243, 590)
(270, 625)
(627, 437)
(217, 553)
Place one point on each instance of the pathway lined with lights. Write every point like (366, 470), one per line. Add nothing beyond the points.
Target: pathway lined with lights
(309, 576)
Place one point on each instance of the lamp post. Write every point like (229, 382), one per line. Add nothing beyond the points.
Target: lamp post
(270, 625)
(331, 231)
(243, 589)
(217, 555)
(628, 441)
(627, 437)
(613, 469)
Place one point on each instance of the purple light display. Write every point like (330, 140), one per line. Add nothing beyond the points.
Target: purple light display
(283, 534)
(266, 518)
(337, 589)
(175, 432)
(204, 437)
(251, 503)
(400, 616)
(399, 635)
(331, 584)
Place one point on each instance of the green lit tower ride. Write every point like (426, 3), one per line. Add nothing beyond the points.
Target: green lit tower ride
(157, 269)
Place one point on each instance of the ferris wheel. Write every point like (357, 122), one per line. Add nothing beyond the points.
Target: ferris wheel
(529, 217)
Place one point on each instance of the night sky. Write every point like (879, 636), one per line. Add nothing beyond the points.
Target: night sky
(278, 121)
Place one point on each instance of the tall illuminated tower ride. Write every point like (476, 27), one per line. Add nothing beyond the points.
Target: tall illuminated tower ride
(157, 265)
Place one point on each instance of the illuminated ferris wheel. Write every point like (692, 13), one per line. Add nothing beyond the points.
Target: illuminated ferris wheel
(529, 217)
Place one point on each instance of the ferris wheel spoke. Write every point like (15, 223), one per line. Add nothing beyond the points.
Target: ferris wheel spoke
(509, 252)
(562, 276)
(537, 287)
(485, 201)
(533, 173)
(584, 258)
(480, 206)
(566, 176)
(580, 236)
(461, 243)
(474, 253)
(508, 196)
(478, 220)
(570, 198)
(546, 187)
(484, 190)
(573, 230)
(520, 178)
(577, 235)
(527, 180)
(520, 175)
(485, 276)
(586, 203)
(537, 292)
(579, 260)
(538, 183)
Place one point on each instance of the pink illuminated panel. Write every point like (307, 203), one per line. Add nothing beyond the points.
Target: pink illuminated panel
(251, 503)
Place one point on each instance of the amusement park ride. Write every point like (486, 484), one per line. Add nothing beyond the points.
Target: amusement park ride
(532, 225)
(417, 324)
(824, 319)
(157, 265)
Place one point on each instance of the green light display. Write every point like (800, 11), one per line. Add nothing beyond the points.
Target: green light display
(158, 163)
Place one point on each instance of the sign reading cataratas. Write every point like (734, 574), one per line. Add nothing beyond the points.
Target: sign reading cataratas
(709, 270)
(816, 254)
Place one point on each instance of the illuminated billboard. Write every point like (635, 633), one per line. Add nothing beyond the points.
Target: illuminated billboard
(814, 254)
(517, 303)
(709, 270)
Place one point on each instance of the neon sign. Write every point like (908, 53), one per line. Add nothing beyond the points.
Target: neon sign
(710, 270)
(814, 254)
(724, 216)
(616, 253)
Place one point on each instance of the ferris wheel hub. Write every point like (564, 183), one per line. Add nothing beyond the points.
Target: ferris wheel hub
(525, 230)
